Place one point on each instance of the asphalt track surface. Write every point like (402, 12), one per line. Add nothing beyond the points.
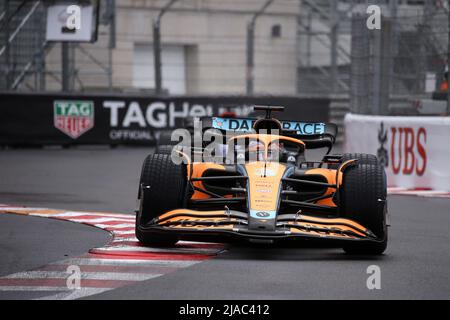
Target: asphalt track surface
(415, 266)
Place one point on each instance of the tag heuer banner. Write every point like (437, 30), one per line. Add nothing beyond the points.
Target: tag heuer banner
(42, 119)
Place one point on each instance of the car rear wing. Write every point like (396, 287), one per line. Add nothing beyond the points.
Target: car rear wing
(313, 134)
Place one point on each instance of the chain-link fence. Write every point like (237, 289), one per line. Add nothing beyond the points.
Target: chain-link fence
(317, 47)
(324, 29)
(405, 60)
(22, 34)
(419, 53)
(204, 48)
(29, 62)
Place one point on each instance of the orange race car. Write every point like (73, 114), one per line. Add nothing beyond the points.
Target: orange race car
(260, 187)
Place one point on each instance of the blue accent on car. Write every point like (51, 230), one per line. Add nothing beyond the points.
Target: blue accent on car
(263, 214)
(304, 128)
(246, 125)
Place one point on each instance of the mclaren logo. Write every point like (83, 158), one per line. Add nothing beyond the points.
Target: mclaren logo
(262, 214)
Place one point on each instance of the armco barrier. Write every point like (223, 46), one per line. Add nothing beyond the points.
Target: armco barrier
(40, 119)
(414, 150)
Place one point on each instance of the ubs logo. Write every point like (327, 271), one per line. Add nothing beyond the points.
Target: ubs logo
(407, 154)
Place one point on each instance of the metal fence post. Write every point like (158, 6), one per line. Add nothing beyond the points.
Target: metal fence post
(334, 42)
(250, 48)
(65, 66)
(385, 66)
(157, 57)
(157, 46)
(112, 40)
(376, 89)
(381, 68)
(360, 70)
(250, 55)
(448, 59)
(7, 49)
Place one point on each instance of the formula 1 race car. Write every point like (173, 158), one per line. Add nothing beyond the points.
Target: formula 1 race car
(264, 190)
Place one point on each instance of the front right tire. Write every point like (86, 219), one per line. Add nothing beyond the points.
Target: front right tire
(363, 158)
(164, 149)
(363, 199)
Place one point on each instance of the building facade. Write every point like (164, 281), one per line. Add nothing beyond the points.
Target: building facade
(203, 49)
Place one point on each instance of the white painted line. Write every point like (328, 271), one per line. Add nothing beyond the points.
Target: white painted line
(35, 211)
(150, 249)
(118, 240)
(394, 189)
(25, 209)
(99, 214)
(84, 275)
(98, 220)
(126, 262)
(195, 242)
(124, 232)
(418, 192)
(421, 192)
(430, 192)
(33, 288)
(42, 215)
(74, 294)
(115, 226)
(445, 195)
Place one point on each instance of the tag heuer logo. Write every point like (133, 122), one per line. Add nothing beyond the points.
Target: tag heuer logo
(73, 117)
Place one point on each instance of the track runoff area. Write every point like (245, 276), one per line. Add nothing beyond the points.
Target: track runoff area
(121, 262)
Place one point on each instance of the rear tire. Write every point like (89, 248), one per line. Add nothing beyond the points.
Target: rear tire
(167, 183)
(363, 199)
(165, 139)
(363, 158)
(164, 149)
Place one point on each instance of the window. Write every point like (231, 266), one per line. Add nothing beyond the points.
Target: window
(173, 68)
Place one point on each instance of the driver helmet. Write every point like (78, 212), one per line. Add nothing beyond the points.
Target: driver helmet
(276, 148)
(256, 148)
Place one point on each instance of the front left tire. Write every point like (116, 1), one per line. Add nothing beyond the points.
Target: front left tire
(165, 184)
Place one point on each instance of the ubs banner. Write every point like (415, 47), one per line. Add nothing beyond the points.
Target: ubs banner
(413, 150)
(123, 119)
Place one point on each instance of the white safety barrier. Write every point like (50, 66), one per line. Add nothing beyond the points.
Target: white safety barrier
(414, 150)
